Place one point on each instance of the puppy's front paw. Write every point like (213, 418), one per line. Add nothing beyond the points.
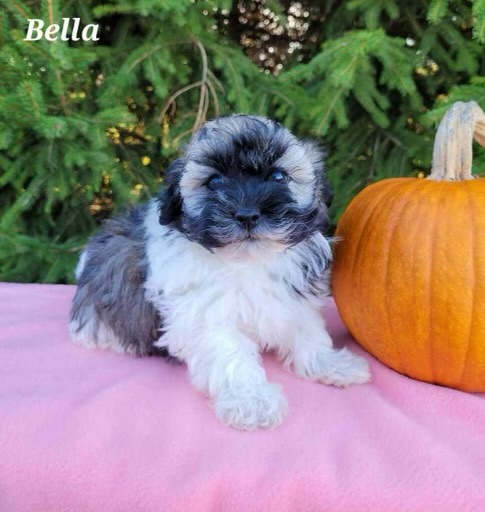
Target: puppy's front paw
(261, 406)
(339, 368)
(342, 368)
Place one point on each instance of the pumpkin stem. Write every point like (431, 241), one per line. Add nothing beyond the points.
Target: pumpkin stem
(452, 152)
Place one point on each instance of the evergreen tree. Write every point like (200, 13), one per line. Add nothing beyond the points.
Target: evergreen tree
(86, 127)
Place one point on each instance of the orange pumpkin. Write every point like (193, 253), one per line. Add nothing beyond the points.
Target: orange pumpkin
(409, 271)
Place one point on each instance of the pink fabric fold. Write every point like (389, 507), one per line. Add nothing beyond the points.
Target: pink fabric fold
(89, 430)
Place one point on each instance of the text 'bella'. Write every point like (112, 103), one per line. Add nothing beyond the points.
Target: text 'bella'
(35, 32)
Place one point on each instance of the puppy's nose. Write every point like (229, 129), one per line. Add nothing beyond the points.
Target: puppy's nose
(248, 217)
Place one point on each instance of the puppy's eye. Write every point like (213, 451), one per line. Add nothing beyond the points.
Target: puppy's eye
(278, 176)
(215, 181)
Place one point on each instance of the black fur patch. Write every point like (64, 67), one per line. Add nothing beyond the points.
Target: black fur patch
(244, 150)
(170, 198)
(252, 151)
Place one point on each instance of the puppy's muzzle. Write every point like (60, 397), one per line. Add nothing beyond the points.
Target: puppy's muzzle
(247, 217)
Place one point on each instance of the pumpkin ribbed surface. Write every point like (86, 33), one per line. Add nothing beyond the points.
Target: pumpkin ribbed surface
(409, 277)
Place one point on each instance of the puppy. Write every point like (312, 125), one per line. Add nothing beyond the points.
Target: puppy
(228, 261)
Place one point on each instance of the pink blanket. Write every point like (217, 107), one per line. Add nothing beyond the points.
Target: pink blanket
(87, 430)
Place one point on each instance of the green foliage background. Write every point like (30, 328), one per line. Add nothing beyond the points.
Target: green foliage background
(87, 127)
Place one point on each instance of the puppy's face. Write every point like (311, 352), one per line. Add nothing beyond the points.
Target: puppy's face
(246, 181)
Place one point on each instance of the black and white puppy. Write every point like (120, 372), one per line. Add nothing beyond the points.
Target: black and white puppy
(228, 261)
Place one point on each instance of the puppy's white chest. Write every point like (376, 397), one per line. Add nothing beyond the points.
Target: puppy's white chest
(252, 299)
(254, 290)
(204, 290)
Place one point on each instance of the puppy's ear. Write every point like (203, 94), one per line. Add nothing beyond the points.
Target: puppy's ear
(327, 191)
(316, 155)
(170, 197)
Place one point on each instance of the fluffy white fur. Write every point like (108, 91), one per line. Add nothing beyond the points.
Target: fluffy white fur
(220, 312)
